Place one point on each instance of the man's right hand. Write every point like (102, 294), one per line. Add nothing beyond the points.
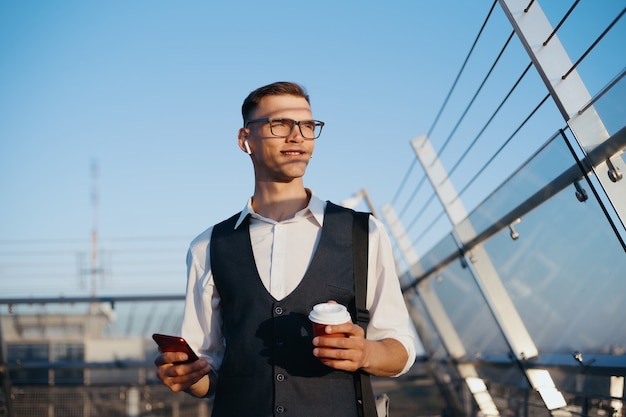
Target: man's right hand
(180, 377)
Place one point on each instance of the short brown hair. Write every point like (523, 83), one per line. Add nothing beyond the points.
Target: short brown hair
(275, 89)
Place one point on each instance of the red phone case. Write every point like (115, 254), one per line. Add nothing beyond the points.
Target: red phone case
(169, 343)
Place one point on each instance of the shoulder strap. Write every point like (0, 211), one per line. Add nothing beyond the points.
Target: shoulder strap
(360, 240)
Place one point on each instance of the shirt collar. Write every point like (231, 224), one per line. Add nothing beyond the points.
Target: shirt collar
(316, 207)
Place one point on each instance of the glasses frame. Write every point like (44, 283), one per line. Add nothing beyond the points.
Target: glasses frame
(295, 122)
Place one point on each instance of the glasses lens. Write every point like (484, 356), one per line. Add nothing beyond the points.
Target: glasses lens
(310, 129)
(281, 127)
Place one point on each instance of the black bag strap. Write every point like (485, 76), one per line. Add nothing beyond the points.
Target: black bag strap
(360, 240)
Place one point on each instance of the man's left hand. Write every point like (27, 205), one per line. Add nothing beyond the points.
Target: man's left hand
(385, 357)
(347, 353)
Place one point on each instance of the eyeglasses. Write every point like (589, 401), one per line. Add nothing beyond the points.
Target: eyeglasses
(281, 128)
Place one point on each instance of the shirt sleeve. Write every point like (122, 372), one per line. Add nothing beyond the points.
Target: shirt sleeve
(389, 317)
(202, 319)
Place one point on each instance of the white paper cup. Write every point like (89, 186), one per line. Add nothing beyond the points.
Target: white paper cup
(326, 314)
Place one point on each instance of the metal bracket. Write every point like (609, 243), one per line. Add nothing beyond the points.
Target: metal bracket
(578, 357)
(514, 234)
(581, 194)
(614, 173)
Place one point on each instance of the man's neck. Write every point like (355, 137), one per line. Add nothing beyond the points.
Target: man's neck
(279, 201)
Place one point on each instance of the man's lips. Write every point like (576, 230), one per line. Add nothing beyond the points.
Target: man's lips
(292, 153)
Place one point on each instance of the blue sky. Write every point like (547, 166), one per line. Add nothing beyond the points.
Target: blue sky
(151, 91)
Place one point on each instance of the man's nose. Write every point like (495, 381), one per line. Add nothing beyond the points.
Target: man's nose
(296, 134)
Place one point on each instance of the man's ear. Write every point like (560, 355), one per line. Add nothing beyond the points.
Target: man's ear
(242, 137)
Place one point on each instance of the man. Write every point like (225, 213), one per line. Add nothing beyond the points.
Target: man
(253, 278)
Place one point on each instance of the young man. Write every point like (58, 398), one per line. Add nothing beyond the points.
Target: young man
(253, 278)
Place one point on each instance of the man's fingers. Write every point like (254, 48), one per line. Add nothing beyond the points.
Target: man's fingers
(180, 377)
(349, 329)
(171, 357)
(337, 359)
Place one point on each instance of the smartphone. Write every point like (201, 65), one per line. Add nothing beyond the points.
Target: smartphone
(169, 343)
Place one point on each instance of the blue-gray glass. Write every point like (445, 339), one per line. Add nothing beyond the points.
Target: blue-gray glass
(565, 272)
(428, 336)
(467, 311)
(445, 248)
(547, 165)
(611, 107)
(502, 373)
(572, 380)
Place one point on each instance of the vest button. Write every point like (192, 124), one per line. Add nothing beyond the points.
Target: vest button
(280, 377)
(280, 343)
(278, 311)
(280, 409)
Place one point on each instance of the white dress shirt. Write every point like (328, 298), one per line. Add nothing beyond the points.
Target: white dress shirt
(282, 252)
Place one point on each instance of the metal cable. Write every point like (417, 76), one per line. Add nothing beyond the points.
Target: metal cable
(415, 191)
(593, 45)
(561, 22)
(502, 147)
(443, 106)
(482, 84)
(458, 162)
(404, 180)
(422, 210)
(603, 91)
(430, 226)
(445, 102)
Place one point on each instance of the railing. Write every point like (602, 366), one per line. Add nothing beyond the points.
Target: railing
(519, 300)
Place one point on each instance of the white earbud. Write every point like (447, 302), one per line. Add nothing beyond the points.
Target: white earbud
(245, 144)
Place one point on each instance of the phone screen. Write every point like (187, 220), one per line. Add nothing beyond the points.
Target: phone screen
(169, 343)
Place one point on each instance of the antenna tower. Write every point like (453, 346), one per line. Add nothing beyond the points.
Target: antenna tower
(93, 268)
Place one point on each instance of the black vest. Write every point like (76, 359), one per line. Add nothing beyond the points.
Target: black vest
(268, 367)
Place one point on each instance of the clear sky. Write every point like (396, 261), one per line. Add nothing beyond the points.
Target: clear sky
(151, 91)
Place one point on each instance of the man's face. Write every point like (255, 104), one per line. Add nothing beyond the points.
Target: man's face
(278, 159)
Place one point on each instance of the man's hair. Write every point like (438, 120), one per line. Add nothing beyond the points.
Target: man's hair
(279, 88)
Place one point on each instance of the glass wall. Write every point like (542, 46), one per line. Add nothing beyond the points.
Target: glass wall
(540, 262)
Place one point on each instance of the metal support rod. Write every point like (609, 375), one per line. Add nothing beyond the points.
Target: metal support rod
(569, 94)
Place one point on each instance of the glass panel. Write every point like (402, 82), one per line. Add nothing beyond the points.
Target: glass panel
(514, 401)
(611, 107)
(467, 311)
(502, 373)
(565, 273)
(428, 336)
(585, 393)
(547, 165)
(445, 248)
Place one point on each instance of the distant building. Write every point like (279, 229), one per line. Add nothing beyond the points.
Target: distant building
(59, 348)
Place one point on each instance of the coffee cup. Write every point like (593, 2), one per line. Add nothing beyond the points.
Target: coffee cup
(326, 314)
